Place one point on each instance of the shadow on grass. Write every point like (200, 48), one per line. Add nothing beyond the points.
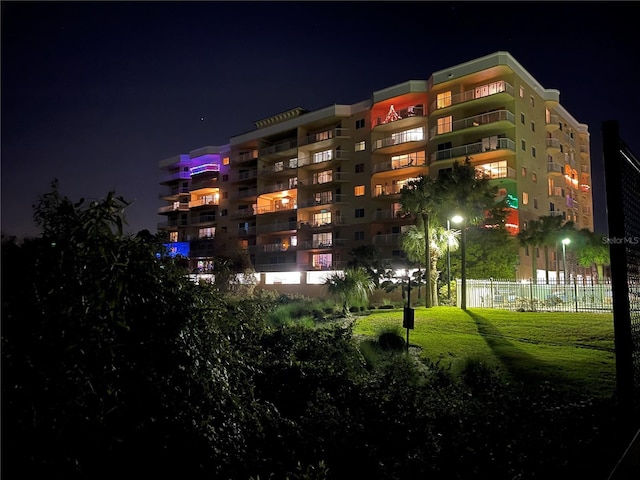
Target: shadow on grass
(520, 365)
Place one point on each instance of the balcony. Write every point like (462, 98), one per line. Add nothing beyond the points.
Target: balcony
(278, 227)
(398, 164)
(405, 118)
(205, 168)
(399, 141)
(496, 173)
(584, 151)
(386, 190)
(479, 148)
(280, 168)
(553, 146)
(203, 220)
(391, 239)
(555, 168)
(272, 247)
(328, 200)
(242, 232)
(552, 123)
(276, 208)
(173, 193)
(584, 168)
(281, 149)
(499, 91)
(204, 203)
(483, 123)
(172, 225)
(244, 157)
(244, 176)
(244, 193)
(243, 213)
(320, 139)
(556, 193)
(325, 179)
(556, 213)
(384, 215)
(313, 222)
(321, 161)
(278, 187)
(175, 176)
(276, 267)
(181, 207)
(204, 184)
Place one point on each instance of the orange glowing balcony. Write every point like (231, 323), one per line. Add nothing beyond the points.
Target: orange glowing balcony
(498, 91)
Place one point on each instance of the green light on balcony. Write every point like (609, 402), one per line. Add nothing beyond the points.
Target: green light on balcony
(512, 202)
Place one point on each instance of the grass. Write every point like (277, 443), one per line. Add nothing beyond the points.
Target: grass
(571, 350)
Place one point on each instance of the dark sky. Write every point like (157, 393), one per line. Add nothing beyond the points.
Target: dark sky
(95, 94)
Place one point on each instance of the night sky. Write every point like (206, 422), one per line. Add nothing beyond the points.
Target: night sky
(95, 94)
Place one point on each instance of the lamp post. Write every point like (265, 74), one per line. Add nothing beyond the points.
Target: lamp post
(448, 261)
(565, 242)
(463, 260)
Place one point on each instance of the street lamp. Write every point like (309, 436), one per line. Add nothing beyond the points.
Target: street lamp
(565, 242)
(448, 261)
(463, 261)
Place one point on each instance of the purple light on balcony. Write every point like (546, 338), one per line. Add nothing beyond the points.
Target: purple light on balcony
(207, 167)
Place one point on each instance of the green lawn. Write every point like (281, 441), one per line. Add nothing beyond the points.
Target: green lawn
(574, 350)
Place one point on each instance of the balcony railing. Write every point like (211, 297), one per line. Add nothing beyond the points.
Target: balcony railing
(479, 92)
(279, 148)
(243, 213)
(335, 155)
(278, 187)
(271, 247)
(246, 231)
(389, 239)
(203, 219)
(325, 135)
(381, 191)
(584, 150)
(496, 173)
(182, 207)
(244, 175)
(413, 111)
(276, 208)
(555, 168)
(210, 183)
(169, 177)
(553, 144)
(473, 122)
(390, 215)
(203, 202)
(398, 138)
(315, 223)
(278, 227)
(249, 192)
(473, 149)
(315, 202)
(174, 192)
(278, 168)
(584, 168)
(552, 122)
(245, 157)
(397, 164)
(313, 180)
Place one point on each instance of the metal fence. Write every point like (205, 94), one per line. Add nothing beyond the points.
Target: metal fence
(529, 296)
(622, 182)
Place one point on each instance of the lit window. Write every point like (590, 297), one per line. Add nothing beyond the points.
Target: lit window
(173, 236)
(443, 100)
(358, 190)
(445, 125)
(360, 146)
(207, 232)
(525, 198)
(534, 178)
(524, 171)
(225, 161)
(323, 177)
(521, 92)
(408, 159)
(323, 156)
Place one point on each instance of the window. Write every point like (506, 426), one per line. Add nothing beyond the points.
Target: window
(522, 118)
(533, 126)
(489, 89)
(535, 203)
(533, 152)
(278, 166)
(521, 92)
(173, 236)
(443, 100)
(225, 177)
(321, 261)
(523, 144)
(532, 101)
(534, 178)
(358, 235)
(322, 198)
(209, 232)
(408, 159)
(524, 171)
(358, 190)
(323, 156)
(322, 240)
(525, 198)
(225, 194)
(293, 182)
(225, 161)
(359, 212)
(322, 218)
(223, 212)
(322, 177)
(359, 167)
(360, 123)
(445, 125)
(494, 169)
(360, 146)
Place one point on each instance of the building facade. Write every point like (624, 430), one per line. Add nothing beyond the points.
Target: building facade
(304, 188)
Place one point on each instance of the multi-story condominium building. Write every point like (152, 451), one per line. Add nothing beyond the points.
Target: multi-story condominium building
(304, 188)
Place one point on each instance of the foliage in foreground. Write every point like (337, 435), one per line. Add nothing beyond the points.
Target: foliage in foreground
(115, 364)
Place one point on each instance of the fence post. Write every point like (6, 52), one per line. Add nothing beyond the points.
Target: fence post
(531, 294)
(575, 292)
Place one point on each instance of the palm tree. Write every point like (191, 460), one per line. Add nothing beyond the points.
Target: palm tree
(419, 198)
(550, 226)
(593, 251)
(413, 246)
(531, 237)
(441, 239)
(354, 285)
